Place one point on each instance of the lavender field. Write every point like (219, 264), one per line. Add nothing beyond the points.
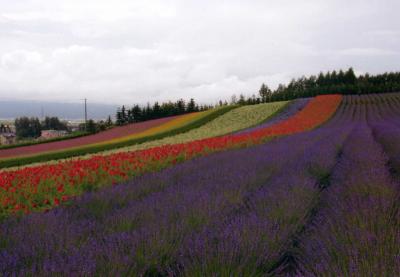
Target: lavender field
(319, 203)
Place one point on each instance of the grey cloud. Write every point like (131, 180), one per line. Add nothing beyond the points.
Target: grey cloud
(139, 51)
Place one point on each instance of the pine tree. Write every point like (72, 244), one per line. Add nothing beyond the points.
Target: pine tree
(180, 106)
(156, 110)
(350, 77)
(341, 77)
(109, 121)
(123, 115)
(242, 100)
(119, 117)
(265, 93)
(130, 117)
(321, 79)
(191, 107)
(334, 78)
(137, 113)
(149, 111)
(91, 126)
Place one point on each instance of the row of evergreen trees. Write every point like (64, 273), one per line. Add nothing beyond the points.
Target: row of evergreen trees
(341, 82)
(155, 111)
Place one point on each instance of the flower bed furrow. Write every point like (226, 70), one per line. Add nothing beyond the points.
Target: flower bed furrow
(231, 189)
(178, 125)
(237, 119)
(357, 231)
(41, 187)
(290, 110)
(317, 203)
(107, 135)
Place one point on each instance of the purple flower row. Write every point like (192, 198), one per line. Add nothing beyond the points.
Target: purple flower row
(357, 230)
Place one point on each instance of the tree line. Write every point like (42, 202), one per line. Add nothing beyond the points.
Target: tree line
(335, 82)
(331, 82)
(138, 113)
(32, 127)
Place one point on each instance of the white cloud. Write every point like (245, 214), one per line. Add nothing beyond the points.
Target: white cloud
(21, 59)
(139, 51)
(367, 52)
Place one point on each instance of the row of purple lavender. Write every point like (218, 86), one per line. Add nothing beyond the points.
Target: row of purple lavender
(357, 229)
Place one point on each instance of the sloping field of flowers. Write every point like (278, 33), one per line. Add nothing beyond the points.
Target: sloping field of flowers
(179, 124)
(318, 203)
(292, 108)
(107, 135)
(42, 187)
(233, 120)
(237, 119)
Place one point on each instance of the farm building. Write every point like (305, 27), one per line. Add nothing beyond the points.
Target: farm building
(7, 136)
(47, 134)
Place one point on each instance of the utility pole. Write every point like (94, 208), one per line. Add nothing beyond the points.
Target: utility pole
(85, 114)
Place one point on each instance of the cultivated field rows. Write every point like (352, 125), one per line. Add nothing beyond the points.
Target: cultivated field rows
(316, 203)
(41, 187)
(111, 139)
(237, 119)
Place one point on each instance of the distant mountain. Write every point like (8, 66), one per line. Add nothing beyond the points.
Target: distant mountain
(71, 111)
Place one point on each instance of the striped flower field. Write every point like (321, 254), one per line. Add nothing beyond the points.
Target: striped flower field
(41, 187)
(315, 193)
(233, 120)
(116, 132)
(116, 138)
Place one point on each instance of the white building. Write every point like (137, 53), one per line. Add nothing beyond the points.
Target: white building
(47, 134)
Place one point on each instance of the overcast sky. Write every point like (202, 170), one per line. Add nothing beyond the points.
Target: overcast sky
(137, 51)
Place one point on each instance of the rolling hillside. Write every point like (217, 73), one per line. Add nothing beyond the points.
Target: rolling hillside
(212, 123)
(320, 198)
(152, 130)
